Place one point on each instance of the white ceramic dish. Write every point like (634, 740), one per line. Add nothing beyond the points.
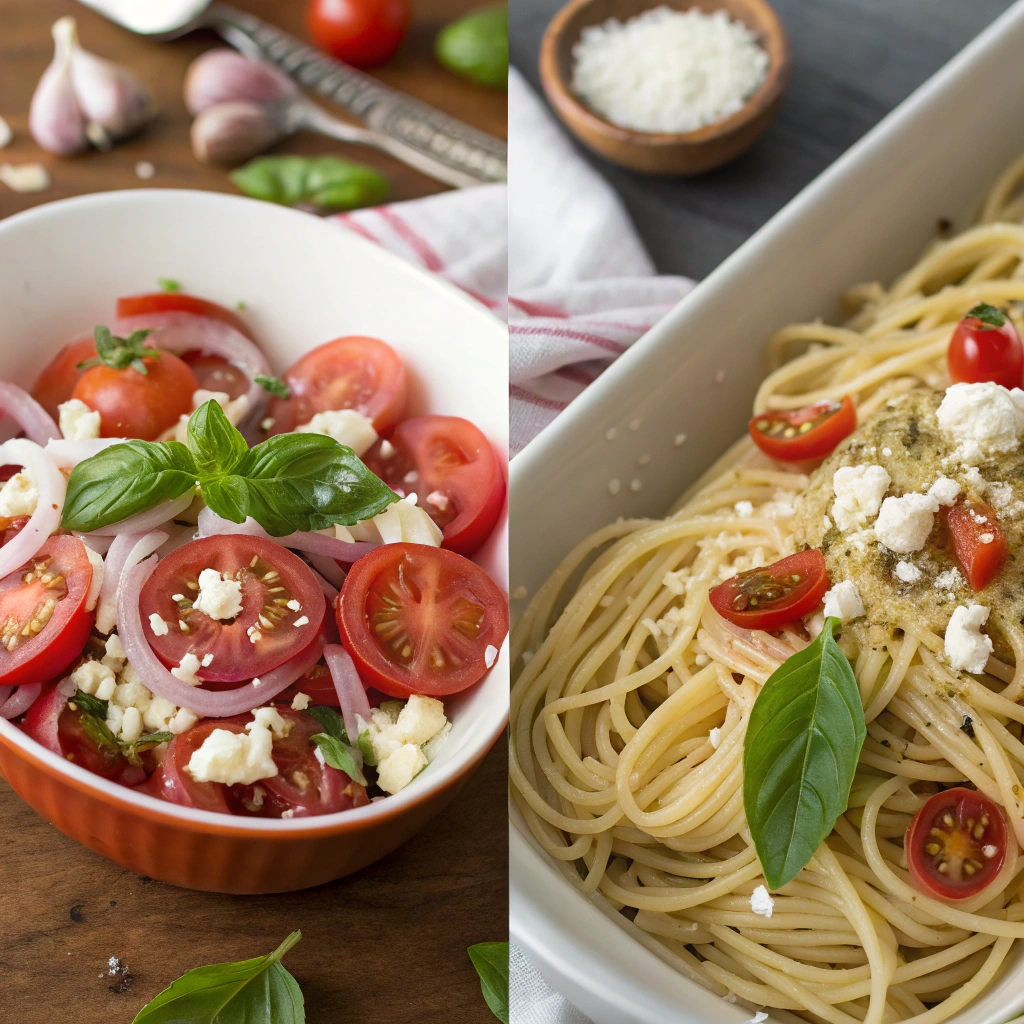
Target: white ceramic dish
(304, 282)
(866, 218)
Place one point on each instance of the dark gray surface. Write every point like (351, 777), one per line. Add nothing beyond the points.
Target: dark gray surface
(853, 61)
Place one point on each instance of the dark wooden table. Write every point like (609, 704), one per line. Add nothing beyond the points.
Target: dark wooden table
(387, 946)
(853, 61)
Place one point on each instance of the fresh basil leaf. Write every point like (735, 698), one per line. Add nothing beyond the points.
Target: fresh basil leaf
(297, 482)
(119, 353)
(366, 748)
(333, 723)
(125, 479)
(476, 47)
(89, 704)
(133, 748)
(327, 182)
(800, 754)
(991, 316)
(215, 443)
(169, 284)
(339, 755)
(491, 962)
(274, 385)
(259, 991)
(98, 731)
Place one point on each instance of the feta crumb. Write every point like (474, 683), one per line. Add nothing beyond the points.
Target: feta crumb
(77, 421)
(949, 580)
(219, 598)
(844, 602)
(18, 496)
(715, 736)
(93, 677)
(114, 656)
(859, 491)
(346, 426)
(907, 572)
(181, 721)
(983, 418)
(439, 500)
(886, 452)
(490, 655)
(904, 523)
(270, 718)
(131, 724)
(300, 702)
(989, 851)
(761, 902)
(400, 768)
(387, 449)
(207, 659)
(986, 538)
(967, 648)
(302, 620)
(187, 670)
(975, 480)
(293, 605)
(744, 509)
(158, 715)
(420, 720)
(944, 490)
(234, 758)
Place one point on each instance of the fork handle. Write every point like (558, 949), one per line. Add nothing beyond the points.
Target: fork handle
(415, 132)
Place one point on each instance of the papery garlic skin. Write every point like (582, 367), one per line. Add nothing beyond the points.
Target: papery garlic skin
(110, 96)
(223, 76)
(55, 118)
(231, 133)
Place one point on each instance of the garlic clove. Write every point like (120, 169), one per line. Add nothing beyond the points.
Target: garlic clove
(54, 117)
(25, 177)
(6, 134)
(220, 76)
(230, 133)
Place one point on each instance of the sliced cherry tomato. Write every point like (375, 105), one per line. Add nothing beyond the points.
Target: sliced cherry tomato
(364, 33)
(133, 404)
(60, 375)
(979, 542)
(216, 374)
(364, 374)
(797, 435)
(986, 347)
(179, 302)
(418, 619)
(171, 781)
(455, 474)
(265, 634)
(316, 684)
(779, 593)
(43, 621)
(956, 844)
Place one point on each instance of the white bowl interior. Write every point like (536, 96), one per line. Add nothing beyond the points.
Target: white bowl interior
(304, 281)
(867, 218)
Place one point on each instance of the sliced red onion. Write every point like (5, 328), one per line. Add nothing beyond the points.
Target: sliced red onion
(5, 692)
(20, 701)
(351, 695)
(99, 544)
(52, 487)
(210, 703)
(143, 522)
(33, 419)
(127, 550)
(211, 524)
(328, 569)
(330, 591)
(68, 454)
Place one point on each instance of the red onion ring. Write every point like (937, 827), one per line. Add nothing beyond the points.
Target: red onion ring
(330, 591)
(5, 692)
(126, 551)
(33, 419)
(143, 522)
(52, 487)
(351, 695)
(21, 700)
(210, 703)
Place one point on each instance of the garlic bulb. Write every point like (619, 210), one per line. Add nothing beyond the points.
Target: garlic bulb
(83, 99)
(230, 133)
(220, 76)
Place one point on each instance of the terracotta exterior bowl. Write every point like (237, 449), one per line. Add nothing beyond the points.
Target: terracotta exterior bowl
(304, 281)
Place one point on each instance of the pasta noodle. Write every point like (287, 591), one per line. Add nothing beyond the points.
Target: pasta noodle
(633, 696)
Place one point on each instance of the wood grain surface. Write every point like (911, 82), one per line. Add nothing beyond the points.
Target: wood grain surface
(387, 946)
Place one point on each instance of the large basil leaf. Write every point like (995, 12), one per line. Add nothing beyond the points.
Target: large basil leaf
(800, 754)
(125, 479)
(338, 755)
(491, 962)
(258, 991)
(476, 47)
(327, 182)
(215, 443)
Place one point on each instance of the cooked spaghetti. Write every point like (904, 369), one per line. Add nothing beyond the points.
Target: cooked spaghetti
(633, 693)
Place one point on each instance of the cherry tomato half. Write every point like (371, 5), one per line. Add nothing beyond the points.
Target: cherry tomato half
(60, 375)
(956, 844)
(455, 474)
(264, 634)
(418, 619)
(179, 302)
(43, 621)
(986, 347)
(797, 435)
(779, 593)
(364, 374)
(363, 33)
(133, 404)
(979, 542)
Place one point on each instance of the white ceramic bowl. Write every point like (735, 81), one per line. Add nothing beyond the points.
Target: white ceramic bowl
(867, 218)
(304, 282)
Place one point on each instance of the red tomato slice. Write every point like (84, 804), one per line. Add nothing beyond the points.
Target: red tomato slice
(179, 302)
(979, 542)
(364, 374)
(316, 684)
(956, 844)
(41, 719)
(214, 373)
(456, 476)
(171, 782)
(986, 347)
(270, 576)
(779, 593)
(418, 619)
(798, 435)
(133, 404)
(60, 375)
(43, 621)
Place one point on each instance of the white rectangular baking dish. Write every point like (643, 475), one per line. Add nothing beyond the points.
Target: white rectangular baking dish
(695, 373)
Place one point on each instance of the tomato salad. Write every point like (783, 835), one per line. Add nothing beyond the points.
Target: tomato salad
(237, 591)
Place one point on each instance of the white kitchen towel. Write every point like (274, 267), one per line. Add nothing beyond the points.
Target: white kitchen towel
(531, 1000)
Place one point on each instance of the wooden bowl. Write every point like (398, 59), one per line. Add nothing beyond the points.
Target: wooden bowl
(680, 153)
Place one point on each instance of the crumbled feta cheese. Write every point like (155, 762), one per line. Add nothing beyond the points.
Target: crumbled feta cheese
(131, 692)
(904, 523)
(490, 655)
(157, 625)
(400, 768)
(844, 602)
(387, 449)
(219, 598)
(131, 724)
(115, 717)
(181, 721)
(967, 648)
(986, 538)
(944, 490)
(346, 426)
(761, 902)
(439, 500)
(207, 659)
(158, 714)
(18, 496)
(302, 620)
(886, 452)
(235, 758)
(187, 670)
(744, 509)
(300, 702)
(859, 491)
(293, 605)
(907, 572)
(975, 481)
(95, 678)
(420, 720)
(988, 851)
(949, 580)
(77, 421)
(983, 418)
(715, 736)
(270, 718)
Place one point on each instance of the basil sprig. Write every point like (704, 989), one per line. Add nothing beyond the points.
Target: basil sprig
(491, 962)
(250, 990)
(800, 754)
(274, 385)
(287, 483)
(119, 353)
(334, 743)
(93, 720)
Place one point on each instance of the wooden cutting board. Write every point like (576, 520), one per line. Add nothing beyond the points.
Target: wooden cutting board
(387, 946)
